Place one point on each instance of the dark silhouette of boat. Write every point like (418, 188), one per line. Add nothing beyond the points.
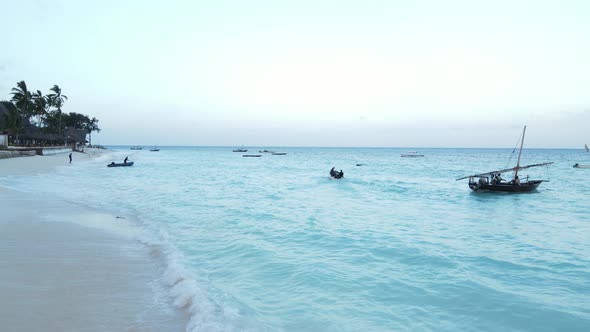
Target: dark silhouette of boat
(113, 164)
(252, 155)
(493, 182)
(240, 150)
(576, 165)
(335, 174)
(279, 153)
(412, 154)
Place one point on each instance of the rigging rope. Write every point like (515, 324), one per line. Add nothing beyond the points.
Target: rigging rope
(509, 162)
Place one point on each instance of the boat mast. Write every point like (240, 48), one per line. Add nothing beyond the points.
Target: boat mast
(519, 153)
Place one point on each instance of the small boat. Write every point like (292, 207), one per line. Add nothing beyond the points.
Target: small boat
(136, 148)
(155, 150)
(113, 164)
(412, 154)
(335, 174)
(493, 182)
(240, 150)
(265, 151)
(252, 155)
(279, 153)
(581, 166)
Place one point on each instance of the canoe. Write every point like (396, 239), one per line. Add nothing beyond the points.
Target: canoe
(251, 155)
(120, 164)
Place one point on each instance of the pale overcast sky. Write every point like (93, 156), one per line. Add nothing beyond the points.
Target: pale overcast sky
(424, 73)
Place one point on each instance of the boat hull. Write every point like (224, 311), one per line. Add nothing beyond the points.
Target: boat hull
(121, 164)
(524, 187)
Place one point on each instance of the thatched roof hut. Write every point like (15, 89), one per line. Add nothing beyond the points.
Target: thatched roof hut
(76, 135)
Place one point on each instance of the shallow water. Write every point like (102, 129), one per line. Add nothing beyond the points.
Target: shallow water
(273, 243)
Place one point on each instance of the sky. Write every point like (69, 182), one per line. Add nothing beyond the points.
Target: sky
(376, 73)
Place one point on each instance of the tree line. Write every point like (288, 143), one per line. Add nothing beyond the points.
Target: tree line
(44, 112)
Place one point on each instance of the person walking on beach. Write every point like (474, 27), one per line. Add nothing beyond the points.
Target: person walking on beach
(70, 158)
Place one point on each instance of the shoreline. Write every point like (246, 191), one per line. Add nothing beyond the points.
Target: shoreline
(29, 165)
(68, 267)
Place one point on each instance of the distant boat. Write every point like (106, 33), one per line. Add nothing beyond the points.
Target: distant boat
(136, 148)
(492, 181)
(586, 147)
(581, 166)
(252, 155)
(336, 174)
(113, 164)
(240, 150)
(265, 151)
(412, 154)
(155, 149)
(279, 153)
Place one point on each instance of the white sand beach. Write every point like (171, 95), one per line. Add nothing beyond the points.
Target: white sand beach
(66, 268)
(44, 164)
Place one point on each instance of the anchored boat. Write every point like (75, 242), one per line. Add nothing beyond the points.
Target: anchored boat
(493, 181)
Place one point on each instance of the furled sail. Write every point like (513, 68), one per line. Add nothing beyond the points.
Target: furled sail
(505, 170)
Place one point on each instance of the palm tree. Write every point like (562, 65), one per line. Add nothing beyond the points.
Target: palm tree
(40, 106)
(23, 100)
(13, 120)
(90, 126)
(57, 100)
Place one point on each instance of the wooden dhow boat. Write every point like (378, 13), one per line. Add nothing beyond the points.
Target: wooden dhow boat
(493, 182)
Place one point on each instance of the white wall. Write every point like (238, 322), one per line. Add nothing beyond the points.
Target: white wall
(3, 141)
(50, 151)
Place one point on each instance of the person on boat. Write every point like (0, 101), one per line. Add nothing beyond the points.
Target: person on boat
(483, 181)
(497, 178)
(515, 181)
(333, 172)
(341, 174)
(576, 165)
(125, 160)
(112, 162)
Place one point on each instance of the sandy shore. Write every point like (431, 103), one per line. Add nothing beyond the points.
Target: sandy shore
(44, 164)
(66, 268)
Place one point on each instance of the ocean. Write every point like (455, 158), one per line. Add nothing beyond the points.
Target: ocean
(274, 244)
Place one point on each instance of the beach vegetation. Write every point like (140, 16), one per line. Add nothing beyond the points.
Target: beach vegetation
(10, 119)
(23, 99)
(39, 118)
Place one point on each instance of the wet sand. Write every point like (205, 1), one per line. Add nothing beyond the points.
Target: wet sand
(66, 268)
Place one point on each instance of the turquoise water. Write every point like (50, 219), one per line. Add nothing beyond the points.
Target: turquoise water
(274, 244)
